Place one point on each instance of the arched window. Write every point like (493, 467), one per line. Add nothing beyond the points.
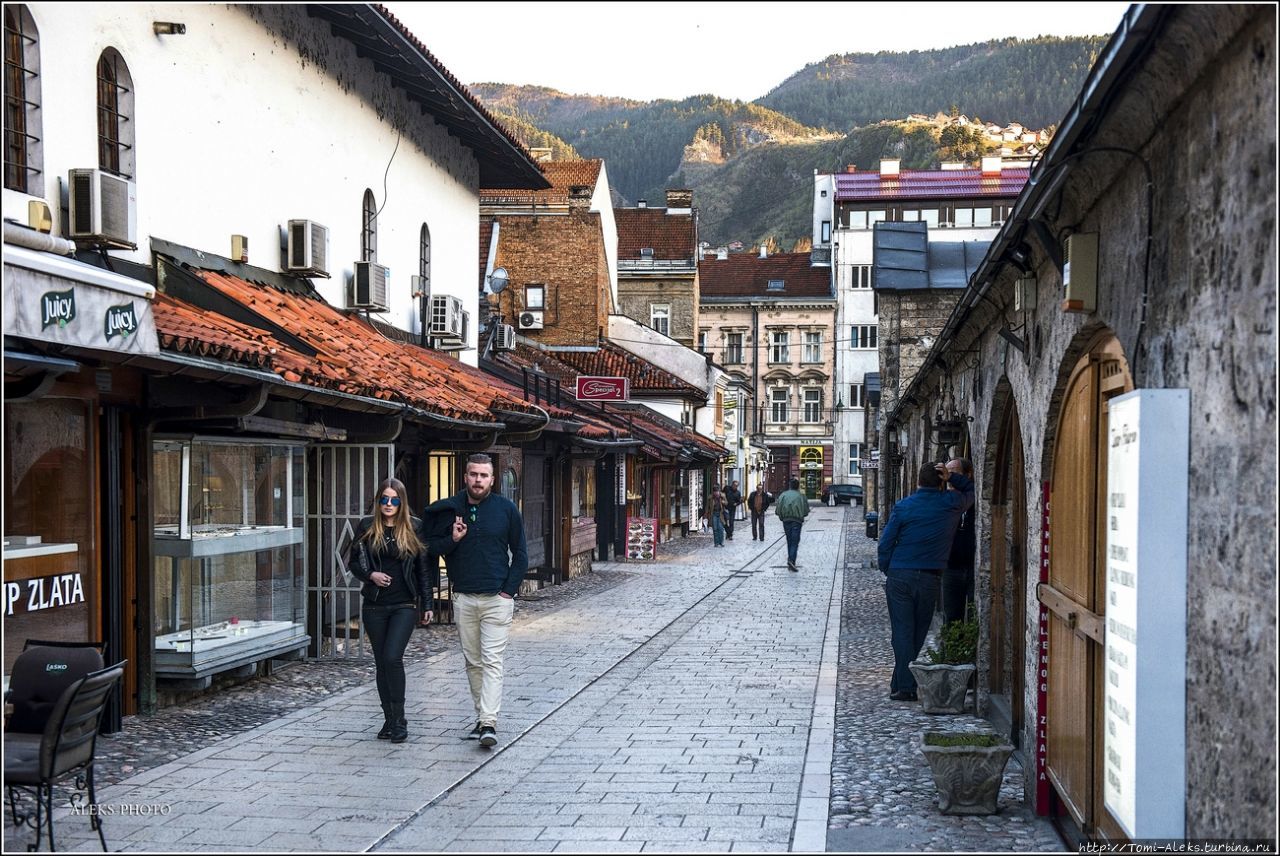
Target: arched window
(424, 257)
(115, 115)
(23, 150)
(369, 229)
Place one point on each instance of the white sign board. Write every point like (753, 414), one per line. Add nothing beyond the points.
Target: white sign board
(1148, 458)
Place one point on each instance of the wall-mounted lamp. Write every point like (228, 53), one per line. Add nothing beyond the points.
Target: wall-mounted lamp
(169, 28)
(1019, 255)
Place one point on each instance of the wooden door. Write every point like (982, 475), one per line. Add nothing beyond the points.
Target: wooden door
(1075, 593)
(1007, 615)
(535, 508)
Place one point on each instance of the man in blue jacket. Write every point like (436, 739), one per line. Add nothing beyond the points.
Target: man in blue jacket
(487, 560)
(913, 552)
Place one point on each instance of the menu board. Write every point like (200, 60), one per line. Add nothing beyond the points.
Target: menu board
(642, 539)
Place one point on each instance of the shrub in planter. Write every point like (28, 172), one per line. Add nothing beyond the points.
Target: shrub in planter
(967, 770)
(943, 681)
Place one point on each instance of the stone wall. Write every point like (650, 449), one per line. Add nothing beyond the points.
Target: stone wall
(636, 295)
(1196, 312)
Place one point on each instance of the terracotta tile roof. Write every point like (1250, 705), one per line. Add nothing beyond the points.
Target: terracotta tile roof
(930, 184)
(609, 360)
(562, 175)
(748, 275)
(351, 356)
(672, 237)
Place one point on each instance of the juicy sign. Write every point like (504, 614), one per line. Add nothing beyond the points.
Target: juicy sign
(603, 389)
(58, 307)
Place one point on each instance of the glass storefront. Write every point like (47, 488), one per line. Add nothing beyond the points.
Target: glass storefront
(229, 555)
(51, 580)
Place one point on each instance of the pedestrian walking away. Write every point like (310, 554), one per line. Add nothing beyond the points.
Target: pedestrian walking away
(957, 579)
(913, 551)
(732, 499)
(390, 555)
(716, 516)
(485, 553)
(758, 503)
(792, 509)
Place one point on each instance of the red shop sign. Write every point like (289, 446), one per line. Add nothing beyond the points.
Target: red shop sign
(603, 389)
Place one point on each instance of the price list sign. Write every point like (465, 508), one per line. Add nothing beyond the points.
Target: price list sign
(1146, 626)
(642, 539)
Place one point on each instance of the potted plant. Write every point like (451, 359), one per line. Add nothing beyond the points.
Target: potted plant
(967, 770)
(943, 681)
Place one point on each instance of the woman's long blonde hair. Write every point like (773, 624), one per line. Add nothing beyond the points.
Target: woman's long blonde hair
(401, 522)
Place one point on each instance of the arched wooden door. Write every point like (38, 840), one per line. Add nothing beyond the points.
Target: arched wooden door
(1076, 592)
(1007, 616)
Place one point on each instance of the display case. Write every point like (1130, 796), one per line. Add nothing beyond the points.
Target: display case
(229, 553)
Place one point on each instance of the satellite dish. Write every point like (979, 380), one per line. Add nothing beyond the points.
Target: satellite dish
(498, 280)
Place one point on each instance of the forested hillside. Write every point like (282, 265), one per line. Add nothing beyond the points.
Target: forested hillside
(1028, 81)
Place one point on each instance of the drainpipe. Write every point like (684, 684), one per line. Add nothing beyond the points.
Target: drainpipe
(33, 240)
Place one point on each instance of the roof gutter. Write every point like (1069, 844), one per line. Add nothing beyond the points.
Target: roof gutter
(1113, 66)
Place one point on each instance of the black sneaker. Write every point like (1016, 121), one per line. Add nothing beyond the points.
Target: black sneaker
(902, 696)
(488, 736)
(474, 733)
(791, 566)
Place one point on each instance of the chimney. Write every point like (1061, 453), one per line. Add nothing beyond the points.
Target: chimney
(540, 154)
(952, 165)
(642, 203)
(851, 169)
(679, 201)
(722, 253)
(580, 198)
(764, 251)
(890, 167)
(991, 166)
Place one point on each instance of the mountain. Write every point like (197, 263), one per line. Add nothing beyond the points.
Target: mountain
(1031, 81)
(751, 165)
(643, 143)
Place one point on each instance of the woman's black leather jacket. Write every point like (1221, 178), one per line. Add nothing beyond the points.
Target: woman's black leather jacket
(422, 583)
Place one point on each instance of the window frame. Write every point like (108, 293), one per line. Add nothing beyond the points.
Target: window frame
(780, 343)
(660, 311)
(368, 227)
(811, 348)
(531, 289)
(733, 350)
(24, 143)
(779, 406)
(811, 407)
(115, 115)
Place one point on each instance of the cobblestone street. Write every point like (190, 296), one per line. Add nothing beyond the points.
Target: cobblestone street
(692, 705)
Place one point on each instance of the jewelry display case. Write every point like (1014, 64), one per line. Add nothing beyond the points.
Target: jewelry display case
(229, 553)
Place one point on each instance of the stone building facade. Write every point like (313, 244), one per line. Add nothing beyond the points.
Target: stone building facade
(1166, 163)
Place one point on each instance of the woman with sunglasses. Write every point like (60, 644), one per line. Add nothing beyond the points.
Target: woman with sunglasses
(390, 555)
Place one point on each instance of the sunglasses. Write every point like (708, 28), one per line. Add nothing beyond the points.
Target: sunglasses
(393, 501)
(473, 509)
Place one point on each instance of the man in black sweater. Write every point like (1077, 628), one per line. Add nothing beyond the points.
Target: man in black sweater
(487, 561)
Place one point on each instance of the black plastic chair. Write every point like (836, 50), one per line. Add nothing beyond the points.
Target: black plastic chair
(41, 674)
(34, 763)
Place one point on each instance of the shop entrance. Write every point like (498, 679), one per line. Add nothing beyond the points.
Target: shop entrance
(1006, 617)
(1076, 592)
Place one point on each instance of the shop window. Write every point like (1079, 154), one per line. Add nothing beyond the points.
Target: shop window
(511, 485)
(584, 491)
(229, 585)
(51, 577)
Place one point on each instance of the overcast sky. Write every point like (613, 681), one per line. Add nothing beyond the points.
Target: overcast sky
(737, 50)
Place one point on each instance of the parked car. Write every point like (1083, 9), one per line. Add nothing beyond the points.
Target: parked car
(844, 493)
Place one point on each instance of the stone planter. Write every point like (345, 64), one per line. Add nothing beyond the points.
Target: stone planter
(967, 777)
(942, 688)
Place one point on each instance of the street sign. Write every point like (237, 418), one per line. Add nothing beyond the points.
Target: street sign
(603, 389)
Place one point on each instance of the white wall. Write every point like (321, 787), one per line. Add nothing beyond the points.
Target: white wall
(602, 201)
(643, 341)
(236, 132)
(823, 206)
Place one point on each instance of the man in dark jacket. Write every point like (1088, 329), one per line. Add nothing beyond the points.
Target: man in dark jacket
(957, 579)
(487, 561)
(732, 499)
(758, 503)
(913, 551)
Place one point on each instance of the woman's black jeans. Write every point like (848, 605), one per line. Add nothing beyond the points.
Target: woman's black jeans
(389, 628)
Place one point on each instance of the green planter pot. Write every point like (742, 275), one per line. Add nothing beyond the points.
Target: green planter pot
(967, 777)
(942, 688)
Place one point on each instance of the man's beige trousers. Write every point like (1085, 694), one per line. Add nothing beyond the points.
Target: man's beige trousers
(484, 622)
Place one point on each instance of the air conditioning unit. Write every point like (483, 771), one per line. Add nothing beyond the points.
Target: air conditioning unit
(504, 338)
(369, 287)
(530, 320)
(308, 250)
(103, 208)
(446, 317)
(459, 343)
(1080, 272)
(418, 286)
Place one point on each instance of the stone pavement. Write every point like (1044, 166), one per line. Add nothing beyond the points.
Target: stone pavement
(684, 706)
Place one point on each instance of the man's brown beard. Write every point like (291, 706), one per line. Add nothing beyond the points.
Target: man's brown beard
(488, 491)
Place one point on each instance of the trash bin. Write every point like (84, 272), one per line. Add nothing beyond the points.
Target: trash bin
(873, 522)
